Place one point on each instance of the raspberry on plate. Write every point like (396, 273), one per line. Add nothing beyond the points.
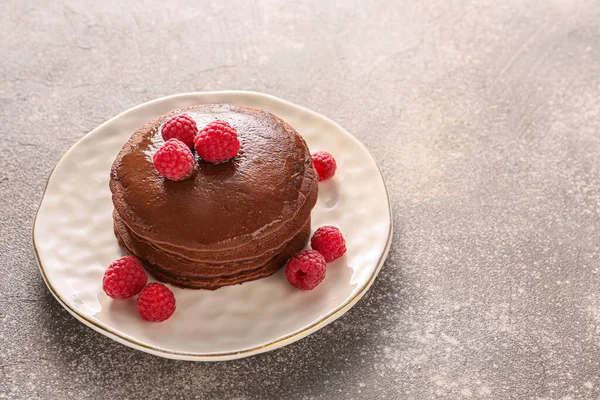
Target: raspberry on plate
(306, 269)
(324, 164)
(328, 241)
(174, 160)
(217, 142)
(181, 127)
(156, 302)
(124, 278)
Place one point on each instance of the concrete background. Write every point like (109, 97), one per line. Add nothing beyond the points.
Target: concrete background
(484, 116)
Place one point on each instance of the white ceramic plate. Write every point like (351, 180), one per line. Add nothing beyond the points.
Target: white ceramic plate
(74, 243)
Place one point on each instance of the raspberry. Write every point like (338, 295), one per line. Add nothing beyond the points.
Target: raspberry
(124, 278)
(324, 164)
(328, 240)
(306, 269)
(174, 160)
(156, 303)
(181, 127)
(217, 142)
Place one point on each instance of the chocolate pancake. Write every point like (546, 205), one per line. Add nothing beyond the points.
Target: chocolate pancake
(182, 263)
(229, 222)
(206, 276)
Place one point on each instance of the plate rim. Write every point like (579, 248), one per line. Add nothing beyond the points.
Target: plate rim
(222, 356)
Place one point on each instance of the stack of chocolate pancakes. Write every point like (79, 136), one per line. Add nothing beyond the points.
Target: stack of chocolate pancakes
(228, 223)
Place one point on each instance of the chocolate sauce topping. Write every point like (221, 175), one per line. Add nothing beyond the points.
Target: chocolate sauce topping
(222, 205)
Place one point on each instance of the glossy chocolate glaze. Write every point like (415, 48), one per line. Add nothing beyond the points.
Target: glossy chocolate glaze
(221, 206)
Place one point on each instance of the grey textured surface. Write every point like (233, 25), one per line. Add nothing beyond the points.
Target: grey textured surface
(484, 116)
